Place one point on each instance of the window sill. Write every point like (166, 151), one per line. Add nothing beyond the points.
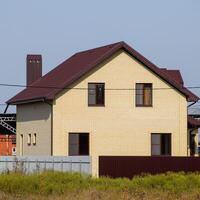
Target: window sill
(96, 105)
(142, 106)
(78, 155)
(161, 155)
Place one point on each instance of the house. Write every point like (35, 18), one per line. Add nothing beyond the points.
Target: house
(109, 100)
(7, 134)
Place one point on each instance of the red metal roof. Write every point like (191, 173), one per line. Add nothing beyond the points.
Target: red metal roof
(193, 123)
(80, 64)
(174, 74)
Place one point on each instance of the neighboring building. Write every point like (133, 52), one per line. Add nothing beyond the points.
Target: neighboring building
(105, 101)
(7, 134)
(194, 113)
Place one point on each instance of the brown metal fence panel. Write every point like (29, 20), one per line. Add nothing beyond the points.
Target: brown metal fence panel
(129, 166)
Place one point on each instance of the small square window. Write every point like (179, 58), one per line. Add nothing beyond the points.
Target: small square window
(160, 144)
(78, 144)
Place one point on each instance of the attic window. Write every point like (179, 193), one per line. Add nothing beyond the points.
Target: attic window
(96, 94)
(143, 94)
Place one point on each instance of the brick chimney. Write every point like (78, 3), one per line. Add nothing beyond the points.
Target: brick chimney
(33, 68)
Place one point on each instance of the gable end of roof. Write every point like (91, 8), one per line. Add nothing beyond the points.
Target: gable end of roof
(81, 63)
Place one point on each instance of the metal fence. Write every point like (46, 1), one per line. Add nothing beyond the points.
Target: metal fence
(129, 166)
(31, 164)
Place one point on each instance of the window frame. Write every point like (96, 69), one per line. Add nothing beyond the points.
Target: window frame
(96, 105)
(170, 144)
(143, 105)
(78, 133)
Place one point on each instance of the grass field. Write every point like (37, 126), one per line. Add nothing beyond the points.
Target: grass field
(58, 186)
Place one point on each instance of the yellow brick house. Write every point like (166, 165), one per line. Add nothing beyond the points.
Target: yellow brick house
(109, 100)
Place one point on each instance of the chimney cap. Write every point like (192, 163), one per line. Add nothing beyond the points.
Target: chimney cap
(34, 57)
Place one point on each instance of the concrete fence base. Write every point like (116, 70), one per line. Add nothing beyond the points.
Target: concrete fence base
(31, 164)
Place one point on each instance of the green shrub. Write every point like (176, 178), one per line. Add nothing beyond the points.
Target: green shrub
(59, 183)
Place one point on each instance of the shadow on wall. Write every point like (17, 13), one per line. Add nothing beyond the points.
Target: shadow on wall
(33, 112)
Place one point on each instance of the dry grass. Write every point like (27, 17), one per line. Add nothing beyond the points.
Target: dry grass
(106, 195)
(63, 186)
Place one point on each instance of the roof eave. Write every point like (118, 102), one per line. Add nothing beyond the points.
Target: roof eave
(33, 100)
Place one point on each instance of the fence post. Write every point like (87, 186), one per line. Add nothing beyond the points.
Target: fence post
(7, 165)
(70, 165)
(45, 165)
(53, 164)
(80, 165)
(25, 165)
(28, 165)
(62, 165)
(37, 169)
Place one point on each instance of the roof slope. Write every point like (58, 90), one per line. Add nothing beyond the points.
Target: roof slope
(81, 63)
(193, 123)
(174, 74)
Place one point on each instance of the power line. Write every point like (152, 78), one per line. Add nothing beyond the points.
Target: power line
(4, 104)
(78, 88)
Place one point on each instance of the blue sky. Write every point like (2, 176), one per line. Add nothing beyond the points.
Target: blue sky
(166, 32)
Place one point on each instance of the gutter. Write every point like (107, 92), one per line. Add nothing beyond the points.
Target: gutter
(25, 101)
(51, 105)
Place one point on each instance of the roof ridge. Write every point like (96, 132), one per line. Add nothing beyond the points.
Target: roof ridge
(94, 63)
(97, 48)
(113, 44)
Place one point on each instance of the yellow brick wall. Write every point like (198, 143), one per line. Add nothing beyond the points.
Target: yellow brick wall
(120, 128)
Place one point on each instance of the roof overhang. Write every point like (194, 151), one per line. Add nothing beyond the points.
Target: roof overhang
(193, 123)
(34, 100)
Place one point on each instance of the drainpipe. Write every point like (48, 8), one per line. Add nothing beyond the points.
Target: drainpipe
(51, 105)
(192, 104)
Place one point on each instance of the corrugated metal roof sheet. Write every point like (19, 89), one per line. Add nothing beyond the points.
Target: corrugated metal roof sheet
(80, 64)
(193, 123)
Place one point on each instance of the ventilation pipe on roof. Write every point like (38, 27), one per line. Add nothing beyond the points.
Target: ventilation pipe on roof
(33, 68)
